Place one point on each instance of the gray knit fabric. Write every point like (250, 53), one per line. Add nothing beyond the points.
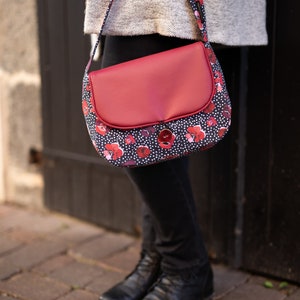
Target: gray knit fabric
(229, 22)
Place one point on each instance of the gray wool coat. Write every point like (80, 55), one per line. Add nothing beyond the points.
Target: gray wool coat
(229, 22)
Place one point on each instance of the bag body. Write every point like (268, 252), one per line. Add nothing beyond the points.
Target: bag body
(158, 107)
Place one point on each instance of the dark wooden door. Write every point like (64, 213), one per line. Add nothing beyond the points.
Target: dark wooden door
(77, 182)
(271, 240)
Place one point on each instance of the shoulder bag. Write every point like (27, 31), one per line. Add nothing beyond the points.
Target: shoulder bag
(157, 107)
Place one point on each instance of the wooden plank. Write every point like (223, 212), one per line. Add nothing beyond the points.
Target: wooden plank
(42, 9)
(123, 204)
(80, 187)
(78, 54)
(258, 156)
(61, 184)
(58, 69)
(101, 197)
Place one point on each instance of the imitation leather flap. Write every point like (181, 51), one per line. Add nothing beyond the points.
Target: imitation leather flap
(161, 87)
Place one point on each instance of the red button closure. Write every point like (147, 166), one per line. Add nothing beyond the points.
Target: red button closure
(165, 136)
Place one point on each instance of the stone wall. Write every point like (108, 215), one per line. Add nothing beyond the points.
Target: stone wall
(20, 103)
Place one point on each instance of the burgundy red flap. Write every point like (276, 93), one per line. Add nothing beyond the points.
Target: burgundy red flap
(153, 89)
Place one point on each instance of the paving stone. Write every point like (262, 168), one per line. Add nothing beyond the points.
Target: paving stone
(102, 283)
(53, 264)
(34, 221)
(14, 219)
(21, 235)
(36, 252)
(29, 286)
(7, 244)
(79, 295)
(6, 298)
(77, 274)
(233, 279)
(251, 291)
(260, 280)
(295, 296)
(37, 240)
(104, 246)
(125, 260)
(5, 210)
(42, 223)
(80, 233)
(7, 269)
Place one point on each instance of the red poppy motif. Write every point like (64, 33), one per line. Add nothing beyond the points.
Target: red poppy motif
(92, 109)
(129, 139)
(113, 151)
(204, 35)
(88, 87)
(148, 131)
(211, 55)
(101, 128)
(195, 134)
(143, 151)
(199, 23)
(85, 108)
(166, 139)
(226, 111)
(222, 131)
(219, 81)
(129, 163)
(211, 122)
(210, 108)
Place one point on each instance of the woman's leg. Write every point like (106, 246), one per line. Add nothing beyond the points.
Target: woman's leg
(166, 190)
(169, 223)
(148, 231)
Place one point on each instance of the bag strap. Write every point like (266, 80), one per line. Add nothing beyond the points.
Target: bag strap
(199, 13)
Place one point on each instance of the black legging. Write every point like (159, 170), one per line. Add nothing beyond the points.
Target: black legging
(169, 215)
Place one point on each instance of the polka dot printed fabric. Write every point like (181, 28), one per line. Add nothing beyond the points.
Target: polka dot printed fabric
(164, 141)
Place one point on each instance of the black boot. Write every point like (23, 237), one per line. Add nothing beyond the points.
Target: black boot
(138, 282)
(183, 287)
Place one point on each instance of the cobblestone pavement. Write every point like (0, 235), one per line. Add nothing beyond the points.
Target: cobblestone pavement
(49, 256)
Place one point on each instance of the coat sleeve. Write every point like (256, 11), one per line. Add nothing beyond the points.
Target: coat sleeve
(93, 15)
(236, 22)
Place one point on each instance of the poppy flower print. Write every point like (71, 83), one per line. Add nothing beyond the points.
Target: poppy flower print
(85, 108)
(166, 139)
(200, 25)
(222, 131)
(219, 81)
(129, 139)
(212, 56)
(147, 131)
(211, 122)
(113, 151)
(210, 108)
(195, 134)
(88, 88)
(143, 151)
(226, 111)
(101, 128)
(129, 163)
